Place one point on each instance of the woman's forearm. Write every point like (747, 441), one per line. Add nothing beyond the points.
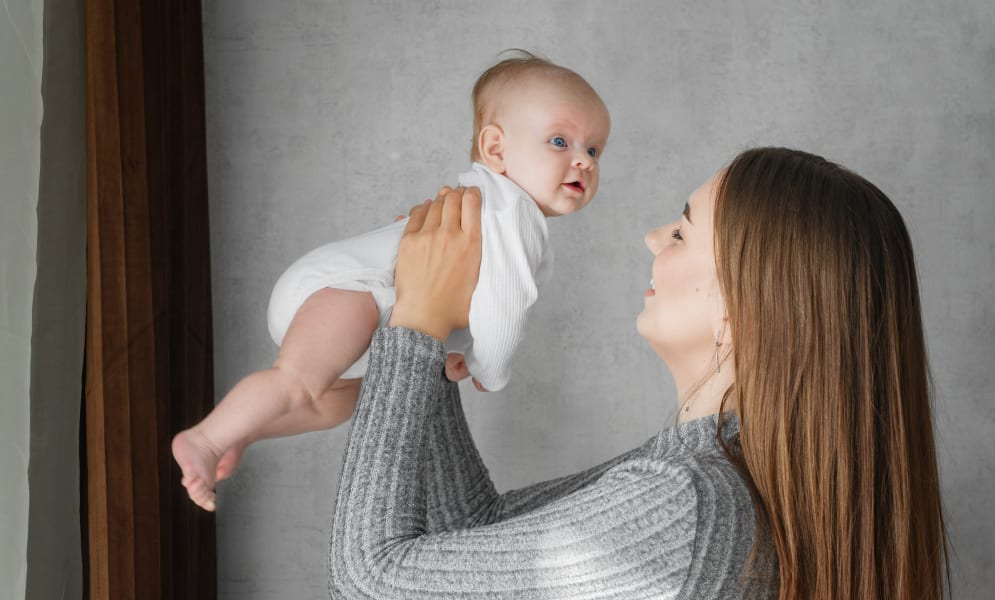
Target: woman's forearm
(384, 545)
(382, 458)
(458, 488)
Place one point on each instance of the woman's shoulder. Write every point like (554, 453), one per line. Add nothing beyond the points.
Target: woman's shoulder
(724, 527)
(705, 505)
(719, 488)
(724, 520)
(705, 473)
(699, 451)
(687, 469)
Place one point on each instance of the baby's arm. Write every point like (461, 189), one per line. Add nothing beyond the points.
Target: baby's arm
(513, 247)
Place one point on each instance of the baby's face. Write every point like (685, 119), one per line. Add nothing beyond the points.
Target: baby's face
(554, 136)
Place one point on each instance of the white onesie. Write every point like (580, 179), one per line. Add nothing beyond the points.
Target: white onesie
(516, 260)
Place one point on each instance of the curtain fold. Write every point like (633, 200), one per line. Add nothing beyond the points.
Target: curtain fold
(149, 344)
(54, 552)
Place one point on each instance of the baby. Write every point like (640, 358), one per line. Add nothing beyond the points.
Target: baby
(539, 130)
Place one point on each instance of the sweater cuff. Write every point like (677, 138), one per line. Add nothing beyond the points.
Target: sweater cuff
(400, 348)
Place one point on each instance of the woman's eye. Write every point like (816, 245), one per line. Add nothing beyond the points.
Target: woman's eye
(676, 234)
(592, 152)
(558, 142)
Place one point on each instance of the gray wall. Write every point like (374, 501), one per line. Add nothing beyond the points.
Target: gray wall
(328, 118)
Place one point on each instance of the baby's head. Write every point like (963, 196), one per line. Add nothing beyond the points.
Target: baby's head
(543, 127)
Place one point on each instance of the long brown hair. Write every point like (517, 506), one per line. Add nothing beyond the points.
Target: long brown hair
(831, 381)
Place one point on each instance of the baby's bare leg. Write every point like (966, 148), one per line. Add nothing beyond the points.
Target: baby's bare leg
(300, 393)
(336, 405)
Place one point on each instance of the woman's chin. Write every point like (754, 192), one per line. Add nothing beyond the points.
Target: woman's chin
(641, 324)
(646, 328)
(664, 338)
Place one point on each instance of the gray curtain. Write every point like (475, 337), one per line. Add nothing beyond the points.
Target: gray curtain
(42, 296)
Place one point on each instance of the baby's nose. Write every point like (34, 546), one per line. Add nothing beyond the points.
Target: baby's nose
(583, 160)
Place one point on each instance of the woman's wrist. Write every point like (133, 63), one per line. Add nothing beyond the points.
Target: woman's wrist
(420, 321)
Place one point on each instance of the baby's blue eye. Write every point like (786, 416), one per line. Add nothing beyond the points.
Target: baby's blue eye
(592, 152)
(558, 142)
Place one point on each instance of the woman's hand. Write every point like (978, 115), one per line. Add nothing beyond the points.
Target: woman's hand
(438, 263)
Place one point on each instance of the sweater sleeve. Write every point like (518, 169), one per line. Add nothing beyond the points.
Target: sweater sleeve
(459, 490)
(630, 534)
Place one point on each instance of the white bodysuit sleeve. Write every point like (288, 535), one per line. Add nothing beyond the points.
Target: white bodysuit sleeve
(515, 261)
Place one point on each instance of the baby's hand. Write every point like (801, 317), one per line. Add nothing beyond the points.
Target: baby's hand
(456, 370)
(456, 367)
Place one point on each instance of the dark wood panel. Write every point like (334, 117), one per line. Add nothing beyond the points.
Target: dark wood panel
(149, 367)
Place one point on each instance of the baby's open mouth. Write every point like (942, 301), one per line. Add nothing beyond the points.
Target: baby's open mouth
(577, 186)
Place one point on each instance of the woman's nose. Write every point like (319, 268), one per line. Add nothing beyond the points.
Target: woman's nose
(652, 240)
(657, 239)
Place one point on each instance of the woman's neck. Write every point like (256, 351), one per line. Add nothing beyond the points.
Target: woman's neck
(703, 396)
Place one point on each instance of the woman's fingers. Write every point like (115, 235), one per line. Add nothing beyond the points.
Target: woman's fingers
(445, 211)
(433, 217)
(438, 264)
(451, 206)
(461, 209)
(470, 213)
(416, 217)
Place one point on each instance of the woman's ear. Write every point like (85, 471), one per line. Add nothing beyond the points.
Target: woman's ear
(490, 146)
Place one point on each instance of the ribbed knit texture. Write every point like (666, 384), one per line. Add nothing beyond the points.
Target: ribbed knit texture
(516, 260)
(418, 517)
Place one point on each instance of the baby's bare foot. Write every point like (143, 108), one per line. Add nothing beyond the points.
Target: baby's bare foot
(198, 458)
(229, 460)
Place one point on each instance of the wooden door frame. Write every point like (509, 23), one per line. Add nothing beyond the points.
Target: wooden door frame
(149, 361)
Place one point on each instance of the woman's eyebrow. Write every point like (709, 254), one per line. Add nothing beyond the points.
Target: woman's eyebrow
(687, 213)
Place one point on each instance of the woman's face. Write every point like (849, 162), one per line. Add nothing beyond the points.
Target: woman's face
(683, 310)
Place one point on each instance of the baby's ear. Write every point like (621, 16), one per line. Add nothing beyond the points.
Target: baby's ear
(490, 146)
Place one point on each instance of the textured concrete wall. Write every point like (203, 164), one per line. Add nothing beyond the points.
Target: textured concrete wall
(328, 118)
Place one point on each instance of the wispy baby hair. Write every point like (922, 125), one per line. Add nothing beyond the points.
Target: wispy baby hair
(518, 63)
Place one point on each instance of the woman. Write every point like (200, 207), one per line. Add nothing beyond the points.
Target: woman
(786, 306)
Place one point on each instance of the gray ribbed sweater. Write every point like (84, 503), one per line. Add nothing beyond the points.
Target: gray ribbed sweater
(418, 517)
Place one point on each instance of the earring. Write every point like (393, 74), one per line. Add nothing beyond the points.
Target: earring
(718, 344)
